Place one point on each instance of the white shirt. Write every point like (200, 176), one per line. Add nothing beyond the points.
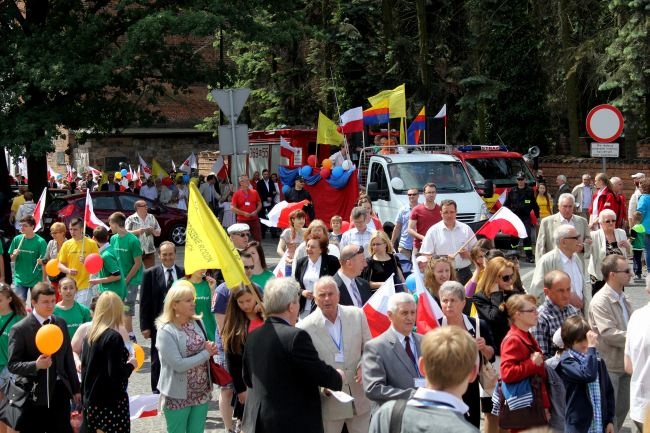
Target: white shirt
(335, 330)
(442, 241)
(347, 281)
(564, 221)
(174, 276)
(402, 339)
(149, 192)
(337, 159)
(570, 266)
(425, 397)
(312, 274)
(637, 348)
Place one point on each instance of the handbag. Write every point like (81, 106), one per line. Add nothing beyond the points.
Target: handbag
(525, 417)
(16, 399)
(218, 374)
(487, 376)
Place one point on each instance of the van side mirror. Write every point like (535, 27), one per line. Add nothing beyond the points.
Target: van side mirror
(373, 191)
(488, 190)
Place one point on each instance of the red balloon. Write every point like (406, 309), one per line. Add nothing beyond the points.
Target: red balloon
(94, 263)
(312, 160)
(345, 226)
(325, 173)
(168, 181)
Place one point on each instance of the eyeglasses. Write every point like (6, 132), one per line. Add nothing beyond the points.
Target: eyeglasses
(609, 221)
(530, 310)
(626, 271)
(520, 179)
(249, 268)
(413, 195)
(506, 278)
(350, 256)
(243, 235)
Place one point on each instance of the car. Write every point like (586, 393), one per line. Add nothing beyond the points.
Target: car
(63, 208)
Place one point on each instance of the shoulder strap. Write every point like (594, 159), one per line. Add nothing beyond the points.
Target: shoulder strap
(7, 323)
(396, 416)
(205, 334)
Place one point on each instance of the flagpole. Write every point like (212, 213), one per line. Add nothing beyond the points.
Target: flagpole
(445, 119)
(474, 234)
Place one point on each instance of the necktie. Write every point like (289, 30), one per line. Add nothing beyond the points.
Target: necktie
(355, 293)
(170, 279)
(46, 322)
(409, 351)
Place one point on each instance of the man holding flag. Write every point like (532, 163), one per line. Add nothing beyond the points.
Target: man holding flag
(72, 255)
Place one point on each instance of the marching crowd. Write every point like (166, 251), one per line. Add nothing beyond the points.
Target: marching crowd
(567, 353)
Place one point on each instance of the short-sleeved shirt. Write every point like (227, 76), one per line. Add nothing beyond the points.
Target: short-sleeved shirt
(203, 304)
(26, 273)
(403, 217)
(222, 295)
(4, 338)
(73, 316)
(134, 222)
(246, 200)
(442, 241)
(111, 268)
(69, 256)
(424, 219)
(127, 248)
(637, 348)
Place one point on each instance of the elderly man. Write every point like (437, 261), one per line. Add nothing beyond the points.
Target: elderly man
(282, 370)
(554, 311)
(424, 215)
(564, 257)
(609, 315)
(582, 193)
(339, 333)
(562, 188)
(401, 239)
(145, 226)
(354, 290)
(617, 189)
(637, 361)
(360, 234)
(564, 216)
(389, 363)
(239, 234)
(451, 238)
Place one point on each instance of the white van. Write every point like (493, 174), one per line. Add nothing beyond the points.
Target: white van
(389, 177)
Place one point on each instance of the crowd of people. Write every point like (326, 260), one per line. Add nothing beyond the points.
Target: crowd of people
(568, 349)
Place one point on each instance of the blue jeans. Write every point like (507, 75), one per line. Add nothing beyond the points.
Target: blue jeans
(647, 251)
(22, 291)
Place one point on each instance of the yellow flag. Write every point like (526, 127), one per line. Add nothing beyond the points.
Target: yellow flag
(327, 132)
(396, 98)
(206, 244)
(157, 171)
(402, 136)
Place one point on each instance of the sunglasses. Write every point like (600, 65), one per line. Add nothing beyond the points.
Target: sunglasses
(350, 256)
(506, 278)
(243, 235)
(609, 221)
(249, 268)
(412, 195)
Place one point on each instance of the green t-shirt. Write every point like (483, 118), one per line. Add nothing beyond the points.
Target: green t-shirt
(4, 338)
(26, 273)
(262, 278)
(111, 267)
(74, 316)
(203, 304)
(127, 248)
(638, 234)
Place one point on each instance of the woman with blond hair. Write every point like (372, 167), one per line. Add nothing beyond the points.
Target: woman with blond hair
(605, 241)
(184, 352)
(382, 263)
(438, 271)
(106, 365)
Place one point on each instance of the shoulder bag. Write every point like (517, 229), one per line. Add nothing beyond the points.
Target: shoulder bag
(218, 374)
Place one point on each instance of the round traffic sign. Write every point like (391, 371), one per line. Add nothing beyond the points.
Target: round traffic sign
(604, 123)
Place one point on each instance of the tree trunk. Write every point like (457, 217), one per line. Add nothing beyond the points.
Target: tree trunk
(571, 94)
(423, 42)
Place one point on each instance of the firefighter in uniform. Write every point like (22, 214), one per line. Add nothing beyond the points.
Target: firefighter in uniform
(521, 201)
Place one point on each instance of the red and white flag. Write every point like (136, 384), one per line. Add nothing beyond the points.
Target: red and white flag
(428, 311)
(219, 168)
(376, 308)
(442, 114)
(70, 173)
(289, 152)
(280, 267)
(279, 215)
(504, 220)
(39, 209)
(352, 120)
(145, 167)
(90, 218)
(52, 173)
(189, 164)
(142, 406)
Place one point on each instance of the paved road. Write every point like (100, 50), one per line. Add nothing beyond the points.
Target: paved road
(139, 383)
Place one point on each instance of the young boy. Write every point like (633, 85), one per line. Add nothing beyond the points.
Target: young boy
(335, 236)
(637, 239)
(589, 391)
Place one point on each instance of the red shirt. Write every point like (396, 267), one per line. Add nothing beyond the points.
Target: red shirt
(246, 201)
(424, 218)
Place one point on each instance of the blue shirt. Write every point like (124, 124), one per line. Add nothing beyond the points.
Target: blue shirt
(644, 208)
(405, 239)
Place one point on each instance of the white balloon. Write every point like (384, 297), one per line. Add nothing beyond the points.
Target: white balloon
(346, 165)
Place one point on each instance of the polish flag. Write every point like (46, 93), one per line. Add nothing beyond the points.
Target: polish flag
(90, 218)
(279, 215)
(52, 173)
(145, 167)
(142, 406)
(442, 114)
(279, 268)
(428, 312)
(288, 151)
(39, 209)
(189, 164)
(352, 121)
(219, 168)
(504, 220)
(376, 309)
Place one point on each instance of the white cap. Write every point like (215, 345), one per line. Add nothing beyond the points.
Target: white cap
(238, 228)
(638, 175)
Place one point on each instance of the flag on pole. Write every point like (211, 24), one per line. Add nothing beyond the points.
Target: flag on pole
(396, 100)
(207, 246)
(442, 114)
(189, 164)
(428, 312)
(145, 167)
(52, 173)
(377, 114)
(278, 271)
(157, 171)
(416, 127)
(279, 215)
(288, 151)
(327, 132)
(376, 308)
(89, 214)
(39, 209)
(504, 220)
(352, 120)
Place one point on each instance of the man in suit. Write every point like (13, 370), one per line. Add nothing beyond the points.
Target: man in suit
(48, 413)
(266, 189)
(156, 281)
(354, 290)
(562, 188)
(389, 362)
(609, 313)
(282, 370)
(565, 215)
(339, 334)
(564, 257)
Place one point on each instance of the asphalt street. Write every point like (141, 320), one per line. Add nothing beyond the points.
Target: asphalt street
(139, 382)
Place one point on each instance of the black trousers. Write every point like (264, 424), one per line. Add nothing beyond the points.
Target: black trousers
(155, 364)
(56, 418)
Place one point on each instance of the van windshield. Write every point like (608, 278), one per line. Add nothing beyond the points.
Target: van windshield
(449, 177)
(501, 171)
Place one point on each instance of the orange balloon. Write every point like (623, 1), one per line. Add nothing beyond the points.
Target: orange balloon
(139, 355)
(52, 268)
(327, 163)
(49, 339)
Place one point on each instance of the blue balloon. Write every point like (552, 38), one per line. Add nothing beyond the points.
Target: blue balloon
(305, 171)
(286, 189)
(186, 178)
(410, 283)
(337, 172)
(124, 172)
